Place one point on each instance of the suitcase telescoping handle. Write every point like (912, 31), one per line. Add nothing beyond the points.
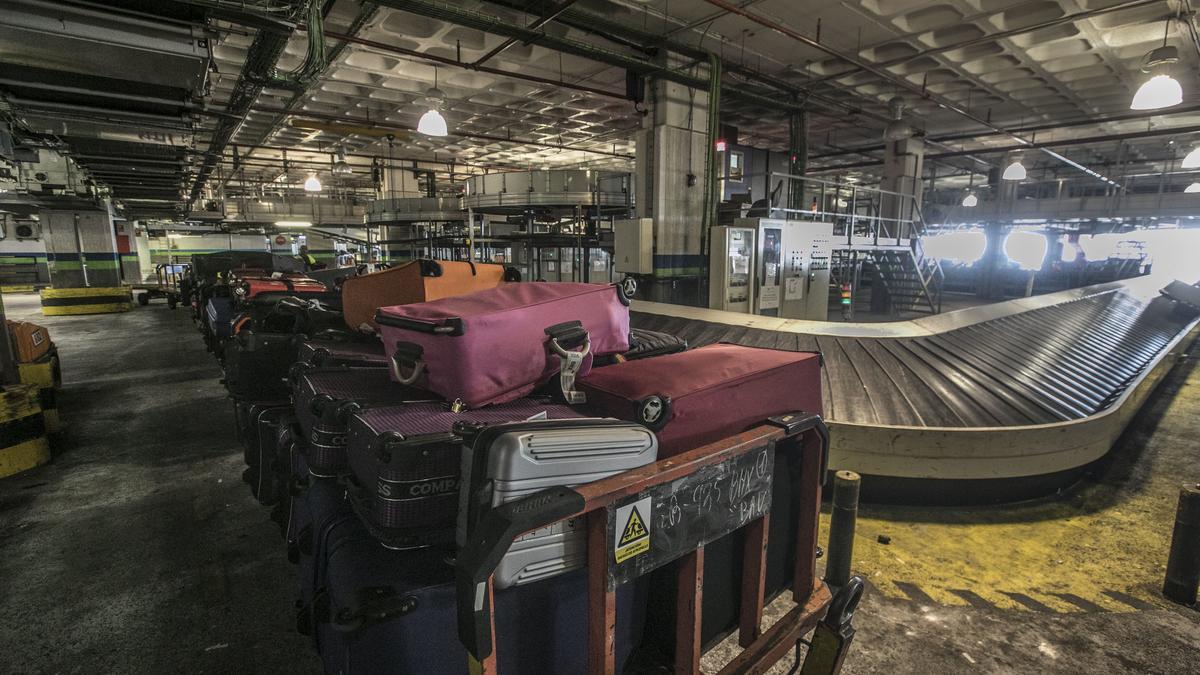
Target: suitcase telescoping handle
(407, 354)
(487, 544)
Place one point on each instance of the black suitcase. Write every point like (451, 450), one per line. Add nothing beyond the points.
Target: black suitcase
(256, 365)
(326, 397)
(383, 611)
(644, 344)
(332, 352)
(405, 463)
(258, 450)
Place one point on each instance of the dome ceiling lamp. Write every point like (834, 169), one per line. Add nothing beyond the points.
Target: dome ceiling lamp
(1160, 90)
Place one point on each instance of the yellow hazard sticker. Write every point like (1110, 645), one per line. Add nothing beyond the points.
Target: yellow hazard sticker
(632, 532)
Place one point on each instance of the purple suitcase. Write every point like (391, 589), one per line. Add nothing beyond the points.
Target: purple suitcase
(336, 352)
(406, 462)
(325, 397)
(500, 344)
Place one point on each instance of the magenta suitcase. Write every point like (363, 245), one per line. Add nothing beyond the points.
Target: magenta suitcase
(696, 397)
(500, 344)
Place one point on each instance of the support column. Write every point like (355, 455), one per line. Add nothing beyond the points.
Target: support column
(991, 280)
(85, 267)
(670, 185)
(903, 163)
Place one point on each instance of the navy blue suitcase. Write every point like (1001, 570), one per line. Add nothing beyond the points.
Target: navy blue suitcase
(218, 321)
(314, 514)
(384, 611)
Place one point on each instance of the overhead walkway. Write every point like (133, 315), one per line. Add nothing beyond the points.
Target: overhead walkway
(1005, 401)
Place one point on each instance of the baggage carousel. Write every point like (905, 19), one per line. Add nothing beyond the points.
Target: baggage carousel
(1000, 402)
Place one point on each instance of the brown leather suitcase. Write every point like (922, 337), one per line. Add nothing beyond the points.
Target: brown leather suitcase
(416, 281)
(30, 341)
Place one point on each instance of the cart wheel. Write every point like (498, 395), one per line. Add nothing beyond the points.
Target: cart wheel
(143, 299)
(172, 301)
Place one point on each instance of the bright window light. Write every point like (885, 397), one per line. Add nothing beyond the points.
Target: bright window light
(1192, 161)
(1194, 187)
(1160, 91)
(961, 247)
(970, 201)
(312, 184)
(1026, 249)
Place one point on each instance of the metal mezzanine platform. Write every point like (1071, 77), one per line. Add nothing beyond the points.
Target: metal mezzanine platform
(994, 403)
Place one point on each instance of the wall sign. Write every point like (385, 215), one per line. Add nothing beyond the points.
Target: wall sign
(665, 522)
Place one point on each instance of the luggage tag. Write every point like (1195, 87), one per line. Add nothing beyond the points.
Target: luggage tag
(564, 335)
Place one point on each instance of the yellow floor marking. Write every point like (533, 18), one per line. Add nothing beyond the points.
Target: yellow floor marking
(1111, 536)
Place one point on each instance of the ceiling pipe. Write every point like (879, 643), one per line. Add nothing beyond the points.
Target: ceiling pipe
(365, 14)
(898, 81)
(260, 62)
(1042, 145)
(992, 37)
(546, 18)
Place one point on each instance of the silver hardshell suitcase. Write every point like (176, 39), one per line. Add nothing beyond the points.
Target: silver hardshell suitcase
(503, 462)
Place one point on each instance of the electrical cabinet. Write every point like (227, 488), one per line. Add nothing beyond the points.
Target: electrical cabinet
(788, 268)
(731, 268)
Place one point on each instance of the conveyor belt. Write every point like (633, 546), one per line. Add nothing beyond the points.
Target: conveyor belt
(1006, 401)
(1053, 364)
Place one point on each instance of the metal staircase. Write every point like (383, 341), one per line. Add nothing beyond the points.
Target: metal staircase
(897, 269)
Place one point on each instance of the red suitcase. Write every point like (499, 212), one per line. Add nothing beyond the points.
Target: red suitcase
(498, 345)
(245, 289)
(703, 395)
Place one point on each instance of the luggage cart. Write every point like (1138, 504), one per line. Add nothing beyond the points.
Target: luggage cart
(665, 513)
(168, 276)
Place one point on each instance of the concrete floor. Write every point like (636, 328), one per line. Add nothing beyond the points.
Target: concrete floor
(140, 550)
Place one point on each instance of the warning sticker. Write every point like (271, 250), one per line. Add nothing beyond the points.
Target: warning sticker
(633, 530)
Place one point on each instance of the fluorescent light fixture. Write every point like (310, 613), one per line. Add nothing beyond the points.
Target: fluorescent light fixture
(312, 184)
(970, 201)
(1160, 91)
(1192, 161)
(1194, 187)
(1014, 171)
(293, 223)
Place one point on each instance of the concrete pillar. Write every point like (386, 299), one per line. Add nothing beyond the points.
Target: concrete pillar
(145, 256)
(903, 162)
(81, 248)
(990, 269)
(671, 148)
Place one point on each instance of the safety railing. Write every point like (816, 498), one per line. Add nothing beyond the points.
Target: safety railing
(673, 495)
(861, 215)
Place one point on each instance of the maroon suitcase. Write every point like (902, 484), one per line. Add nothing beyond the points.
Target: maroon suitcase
(500, 344)
(325, 397)
(696, 397)
(406, 464)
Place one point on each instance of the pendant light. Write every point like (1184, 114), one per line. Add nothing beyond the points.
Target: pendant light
(1193, 188)
(312, 183)
(1192, 160)
(1014, 171)
(971, 201)
(340, 167)
(1161, 90)
(432, 123)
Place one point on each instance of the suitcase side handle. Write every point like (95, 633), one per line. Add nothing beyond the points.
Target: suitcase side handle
(407, 353)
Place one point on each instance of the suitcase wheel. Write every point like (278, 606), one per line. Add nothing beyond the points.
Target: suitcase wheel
(653, 412)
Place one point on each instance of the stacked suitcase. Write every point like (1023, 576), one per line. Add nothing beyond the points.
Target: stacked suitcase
(380, 455)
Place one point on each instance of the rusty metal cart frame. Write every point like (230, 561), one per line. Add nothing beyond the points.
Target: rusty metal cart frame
(168, 275)
(816, 606)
